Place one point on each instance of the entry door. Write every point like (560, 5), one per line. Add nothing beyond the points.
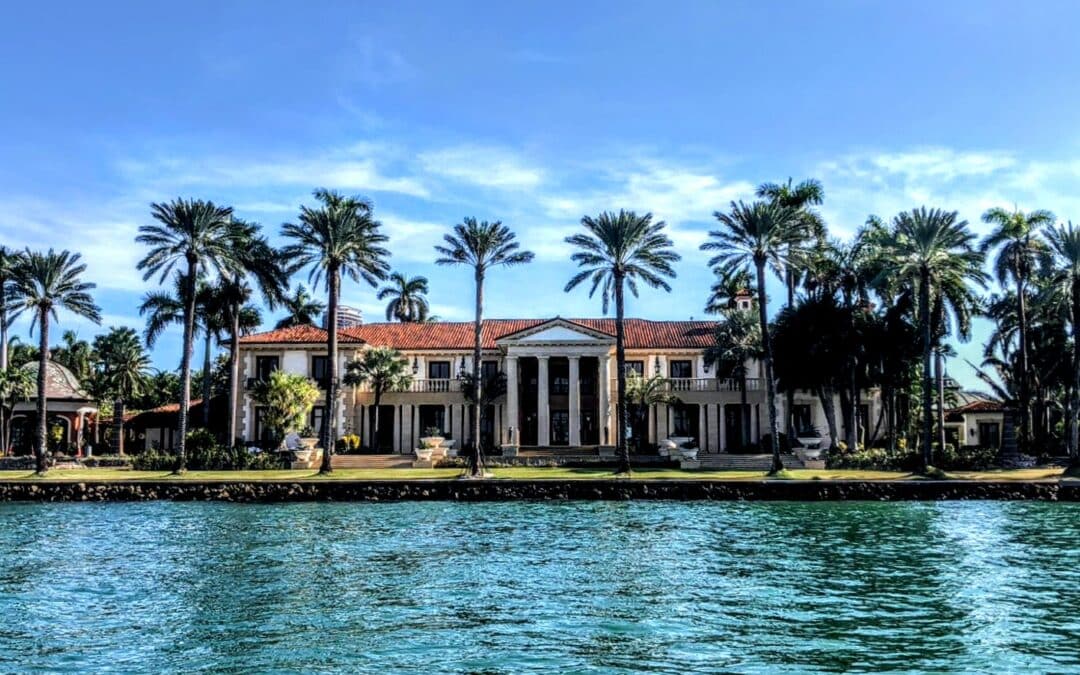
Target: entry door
(733, 427)
(560, 427)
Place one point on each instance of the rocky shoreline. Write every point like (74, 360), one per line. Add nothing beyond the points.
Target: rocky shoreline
(508, 490)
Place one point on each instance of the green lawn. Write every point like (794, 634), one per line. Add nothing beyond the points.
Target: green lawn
(519, 473)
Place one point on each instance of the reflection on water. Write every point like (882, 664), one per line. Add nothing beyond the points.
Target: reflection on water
(541, 587)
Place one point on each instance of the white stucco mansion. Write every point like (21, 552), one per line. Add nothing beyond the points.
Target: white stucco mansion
(560, 383)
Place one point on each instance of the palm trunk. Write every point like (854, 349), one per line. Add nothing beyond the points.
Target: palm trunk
(853, 413)
(185, 369)
(1022, 366)
(3, 366)
(207, 349)
(789, 401)
(621, 450)
(939, 385)
(744, 413)
(478, 327)
(234, 373)
(375, 427)
(828, 406)
(333, 279)
(927, 378)
(41, 435)
(1074, 432)
(770, 382)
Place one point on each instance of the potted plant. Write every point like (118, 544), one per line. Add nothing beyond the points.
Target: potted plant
(810, 439)
(433, 438)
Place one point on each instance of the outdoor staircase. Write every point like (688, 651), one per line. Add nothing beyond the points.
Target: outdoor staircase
(371, 461)
(724, 461)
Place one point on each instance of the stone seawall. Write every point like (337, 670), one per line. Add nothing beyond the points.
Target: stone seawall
(500, 490)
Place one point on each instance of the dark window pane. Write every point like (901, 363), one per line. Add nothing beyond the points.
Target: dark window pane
(439, 370)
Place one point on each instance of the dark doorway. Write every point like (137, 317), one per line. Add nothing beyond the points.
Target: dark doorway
(737, 428)
(385, 441)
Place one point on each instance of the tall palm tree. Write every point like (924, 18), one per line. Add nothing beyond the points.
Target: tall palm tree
(800, 198)
(934, 253)
(616, 252)
(1021, 251)
(303, 310)
(385, 370)
(123, 369)
(407, 301)
(194, 236)
(482, 246)
(340, 236)
(755, 236)
(43, 283)
(1064, 242)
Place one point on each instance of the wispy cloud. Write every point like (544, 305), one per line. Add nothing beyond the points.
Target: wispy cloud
(481, 166)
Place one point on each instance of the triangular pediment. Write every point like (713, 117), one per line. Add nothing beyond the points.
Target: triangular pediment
(557, 330)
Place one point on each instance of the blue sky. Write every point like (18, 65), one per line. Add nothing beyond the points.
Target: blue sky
(532, 113)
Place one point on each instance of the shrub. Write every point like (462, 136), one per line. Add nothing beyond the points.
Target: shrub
(348, 444)
(101, 461)
(153, 460)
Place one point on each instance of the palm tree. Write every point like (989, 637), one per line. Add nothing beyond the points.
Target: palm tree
(933, 252)
(15, 383)
(757, 235)
(1064, 242)
(43, 283)
(725, 290)
(641, 394)
(74, 354)
(303, 309)
(339, 237)
(8, 262)
(196, 236)
(384, 369)
(407, 301)
(123, 369)
(482, 246)
(1020, 252)
(737, 342)
(618, 251)
(799, 198)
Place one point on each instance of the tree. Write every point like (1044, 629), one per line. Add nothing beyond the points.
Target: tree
(383, 369)
(43, 283)
(341, 236)
(9, 261)
(737, 341)
(123, 368)
(759, 235)
(196, 236)
(288, 399)
(407, 302)
(726, 289)
(303, 309)
(76, 355)
(641, 394)
(1021, 251)
(482, 246)
(932, 252)
(1064, 288)
(618, 251)
(16, 383)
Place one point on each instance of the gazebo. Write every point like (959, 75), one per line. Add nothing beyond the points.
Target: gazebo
(72, 413)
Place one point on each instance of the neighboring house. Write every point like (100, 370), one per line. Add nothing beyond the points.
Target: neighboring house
(156, 429)
(72, 413)
(347, 317)
(979, 422)
(560, 382)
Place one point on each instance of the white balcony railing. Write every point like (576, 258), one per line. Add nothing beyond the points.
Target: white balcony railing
(677, 384)
(427, 386)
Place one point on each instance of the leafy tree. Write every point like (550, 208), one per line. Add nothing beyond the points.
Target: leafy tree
(482, 246)
(20, 353)
(616, 252)
(755, 236)
(726, 289)
(932, 252)
(122, 368)
(16, 383)
(194, 236)
(1021, 251)
(641, 394)
(76, 355)
(9, 261)
(407, 302)
(288, 399)
(341, 236)
(43, 283)
(383, 369)
(737, 341)
(161, 388)
(303, 309)
(1064, 290)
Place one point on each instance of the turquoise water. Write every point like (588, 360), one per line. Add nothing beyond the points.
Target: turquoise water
(540, 587)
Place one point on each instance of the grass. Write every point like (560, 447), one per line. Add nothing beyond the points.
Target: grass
(515, 473)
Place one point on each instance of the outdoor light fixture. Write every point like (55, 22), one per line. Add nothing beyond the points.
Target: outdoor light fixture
(461, 370)
(415, 365)
(656, 369)
(706, 367)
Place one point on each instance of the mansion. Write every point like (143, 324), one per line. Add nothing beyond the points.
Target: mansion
(561, 386)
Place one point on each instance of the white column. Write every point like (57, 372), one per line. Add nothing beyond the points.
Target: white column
(512, 400)
(448, 423)
(716, 428)
(543, 404)
(398, 414)
(701, 428)
(575, 403)
(408, 443)
(604, 387)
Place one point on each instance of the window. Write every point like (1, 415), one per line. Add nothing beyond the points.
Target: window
(635, 367)
(587, 384)
(680, 369)
(560, 427)
(438, 370)
(316, 420)
(680, 420)
(262, 431)
(989, 435)
(488, 370)
(264, 365)
(320, 369)
(560, 385)
(804, 419)
(432, 416)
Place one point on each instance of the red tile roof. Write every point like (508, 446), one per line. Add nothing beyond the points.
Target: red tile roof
(640, 333)
(978, 407)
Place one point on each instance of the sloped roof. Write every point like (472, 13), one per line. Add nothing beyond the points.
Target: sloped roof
(640, 333)
(60, 383)
(978, 406)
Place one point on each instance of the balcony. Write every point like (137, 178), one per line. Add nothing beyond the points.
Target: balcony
(427, 386)
(706, 384)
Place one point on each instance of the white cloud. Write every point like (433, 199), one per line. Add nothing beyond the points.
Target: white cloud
(482, 166)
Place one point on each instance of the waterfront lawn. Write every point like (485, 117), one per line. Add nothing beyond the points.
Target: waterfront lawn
(514, 473)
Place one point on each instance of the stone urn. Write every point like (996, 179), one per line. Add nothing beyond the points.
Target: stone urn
(424, 454)
(432, 442)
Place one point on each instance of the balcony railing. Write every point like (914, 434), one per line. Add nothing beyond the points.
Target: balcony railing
(705, 384)
(427, 386)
